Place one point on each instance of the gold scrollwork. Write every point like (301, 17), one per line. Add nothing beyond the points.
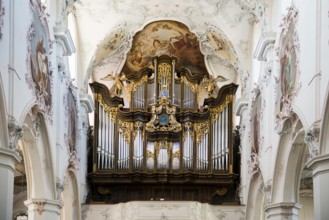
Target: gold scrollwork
(214, 111)
(133, 86)
(201, 129)
(163, 145)
(125, 129)
(176, 154)
(112, 111)
(188, 127)
(138, 126)
(193, 87)
(149, 154)
(153, 125)
(164, 70)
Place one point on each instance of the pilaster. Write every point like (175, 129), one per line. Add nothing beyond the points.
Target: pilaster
(8, 159)
(320, 174)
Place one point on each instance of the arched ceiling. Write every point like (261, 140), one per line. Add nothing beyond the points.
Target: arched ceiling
(108, 31)
(165, 37)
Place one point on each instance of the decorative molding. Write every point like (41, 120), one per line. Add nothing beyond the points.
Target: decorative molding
(66, 7)
(59, 189)
(61, 68)
(2, 14)
(240, 105)
(290, 18)
(265, 43)
(71, 92)
(73, 162)
(318, 164)
(267, 72)
(267, 189)
(285, 209)
(255, 9)
(282, 117)
(253, 164)
(312, 139)
(42, 84)
(15, 132)
(284, 102)
(40, 207)
(87, 102)
(43, 205)
(63, 37)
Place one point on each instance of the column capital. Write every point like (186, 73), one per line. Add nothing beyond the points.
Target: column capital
(8, 158)
(43, 205)
(318, 164)
(288, 210)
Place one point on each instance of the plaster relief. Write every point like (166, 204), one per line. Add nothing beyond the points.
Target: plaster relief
(2, 14)
(71, 112)
(39, 76)
(287, 80)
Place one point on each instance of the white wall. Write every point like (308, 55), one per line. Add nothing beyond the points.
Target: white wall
(162, 210)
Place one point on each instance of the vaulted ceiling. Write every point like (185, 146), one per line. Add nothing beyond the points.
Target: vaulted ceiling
(120, 35)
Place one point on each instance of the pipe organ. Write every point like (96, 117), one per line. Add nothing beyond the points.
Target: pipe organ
(163, 145)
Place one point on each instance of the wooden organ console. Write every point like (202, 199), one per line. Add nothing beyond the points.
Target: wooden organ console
(164, 146)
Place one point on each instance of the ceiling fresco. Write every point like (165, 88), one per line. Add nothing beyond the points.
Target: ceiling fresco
(165, 37)
(223, 48)
(110, 44)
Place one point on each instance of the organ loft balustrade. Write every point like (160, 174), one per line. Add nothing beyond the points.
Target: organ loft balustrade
(169, 137)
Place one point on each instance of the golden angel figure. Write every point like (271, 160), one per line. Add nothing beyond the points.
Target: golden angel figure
(118, 81)
(210, 83)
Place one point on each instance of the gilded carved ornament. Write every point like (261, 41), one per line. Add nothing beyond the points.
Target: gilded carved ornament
(133, 86)
(188, 127)
(163, 109)
(193, 87)
(214, 111)
(164, 71)
(176, 154)
(112, 111)
(163, 145)
(125, 128)
(149, 154)
(201, 129)
(138, 126)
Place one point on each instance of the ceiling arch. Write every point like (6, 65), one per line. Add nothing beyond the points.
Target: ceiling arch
(98, 23)
(130, 50)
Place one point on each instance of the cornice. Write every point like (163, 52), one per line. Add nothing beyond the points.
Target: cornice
(87, 101)
(266, 41)
(240, 105)
(63, 36)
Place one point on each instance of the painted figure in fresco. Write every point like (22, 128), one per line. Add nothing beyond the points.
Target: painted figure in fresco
(287, 76)
(72, 122)
(40, 72)
(42, 62)
(118, 82)
(210, 83)
(256, 131)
